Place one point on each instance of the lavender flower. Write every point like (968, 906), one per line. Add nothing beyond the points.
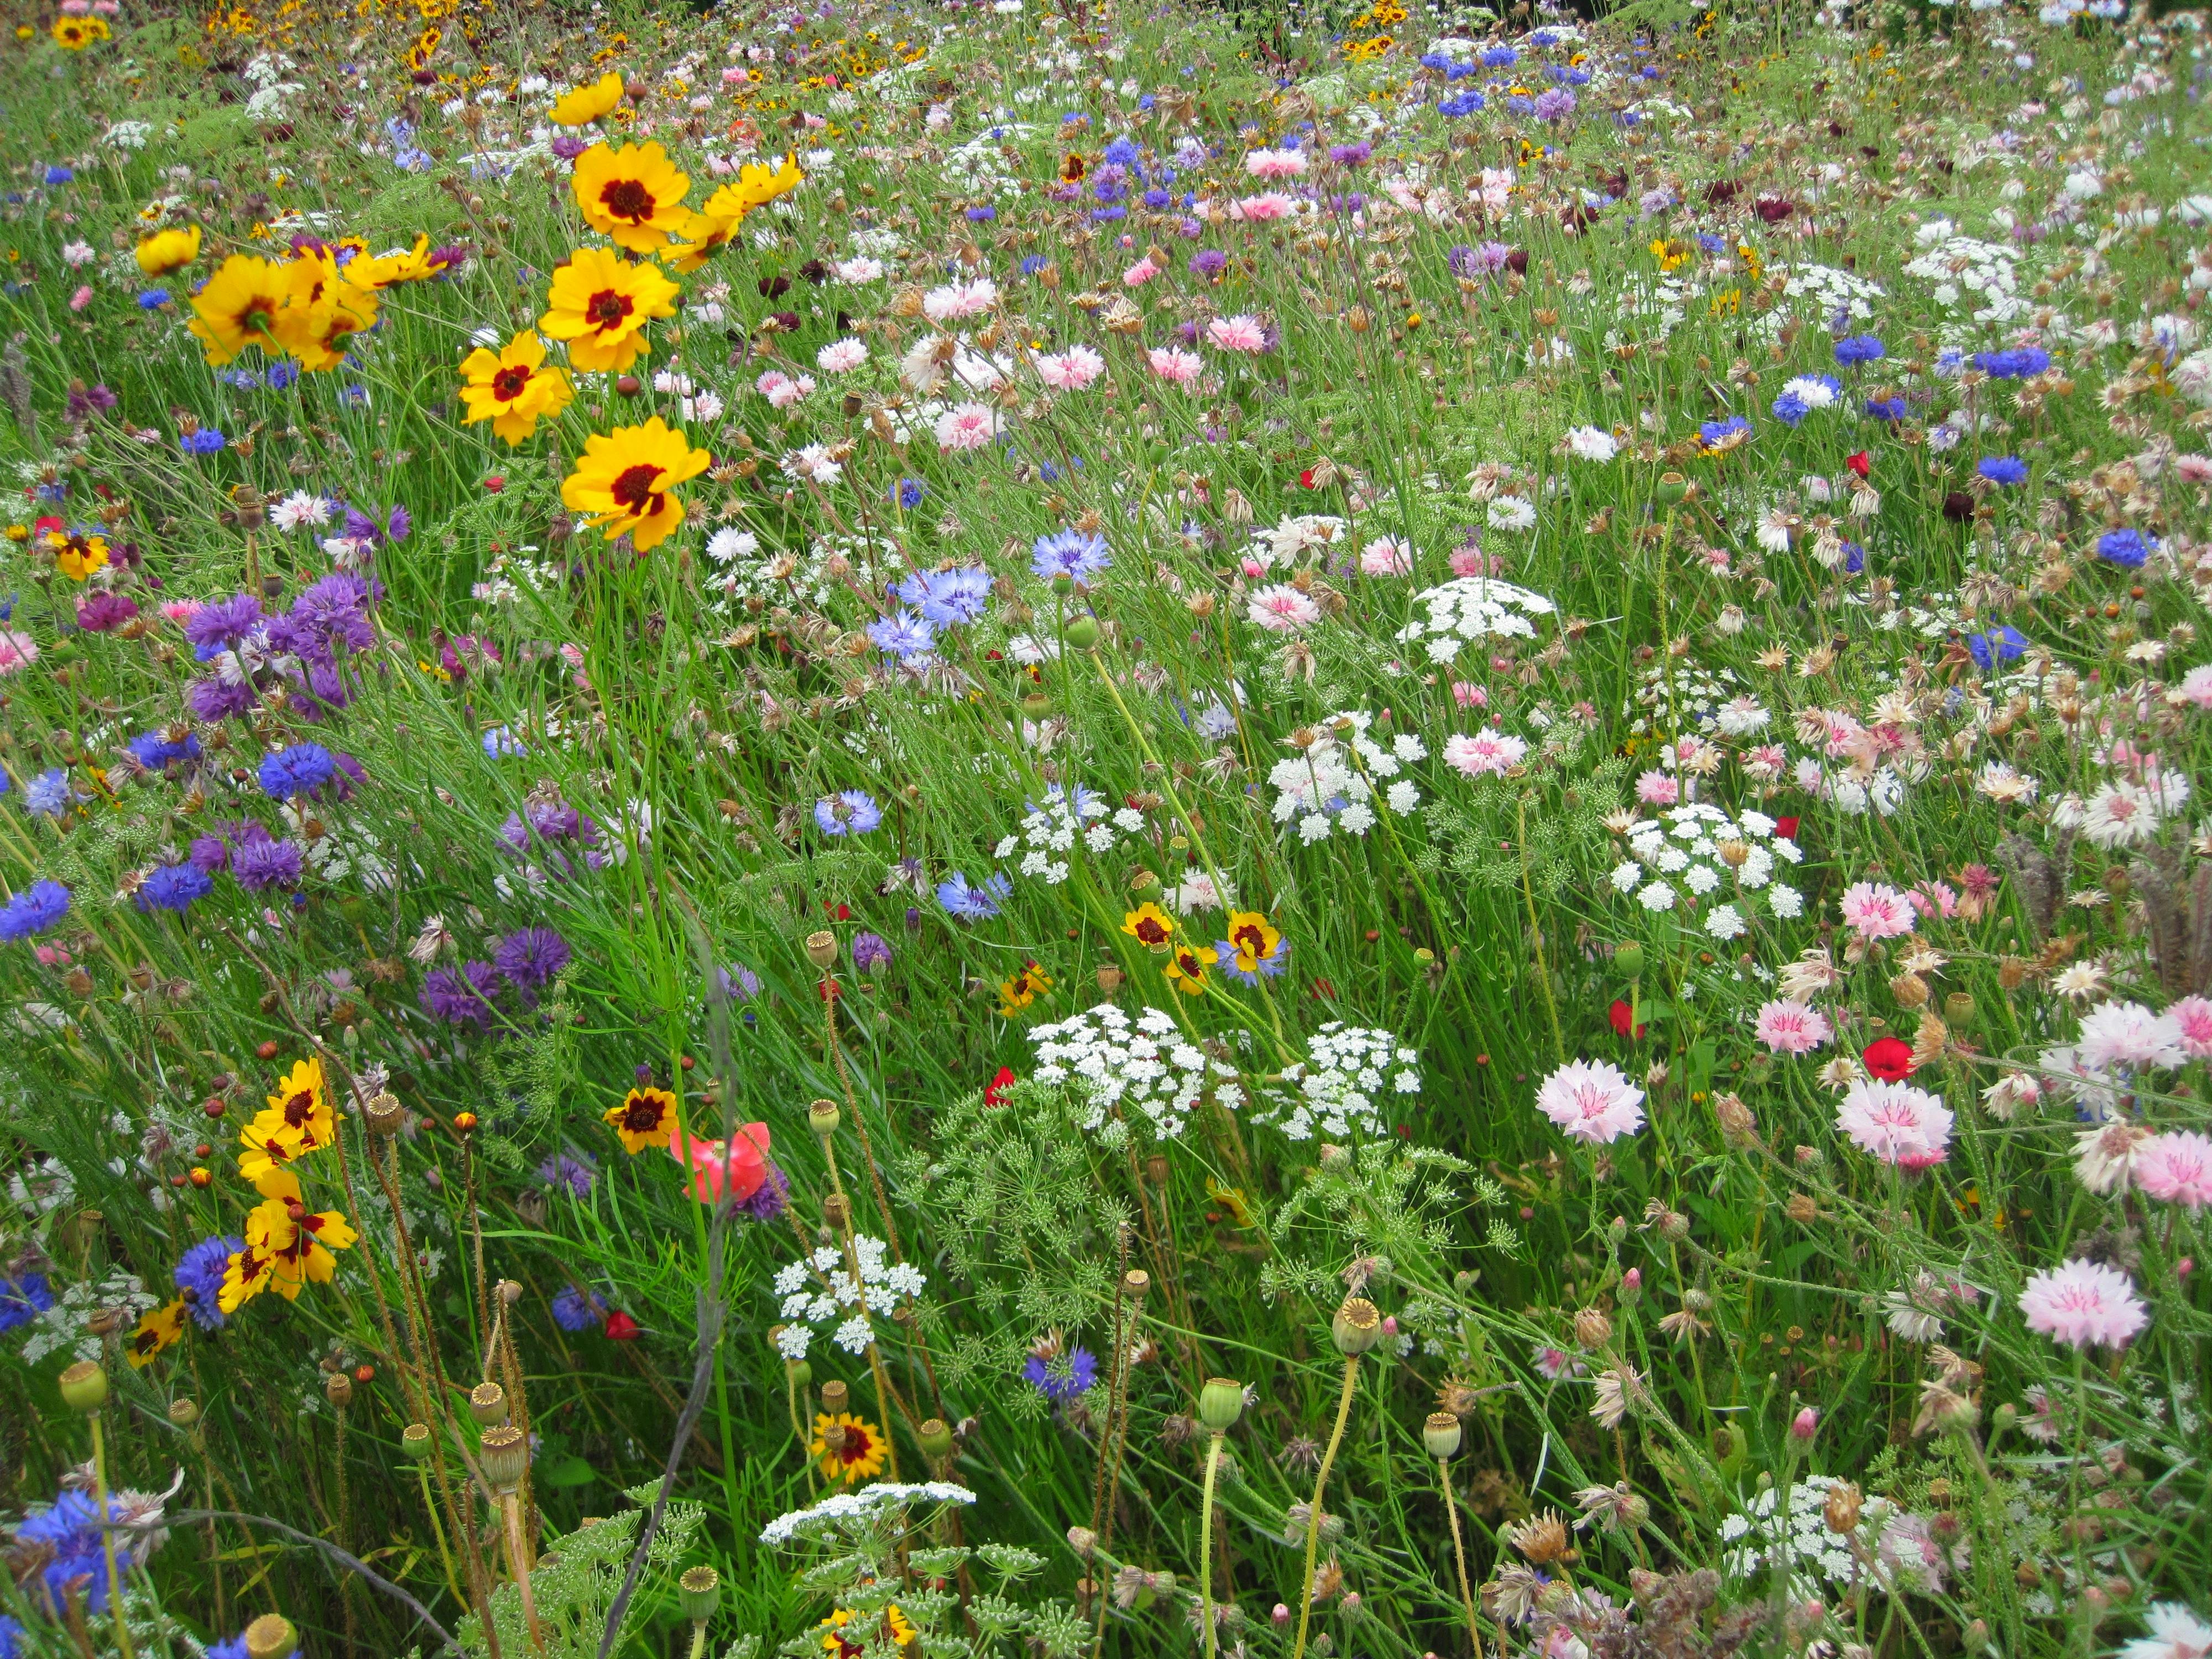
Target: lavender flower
(529, 958)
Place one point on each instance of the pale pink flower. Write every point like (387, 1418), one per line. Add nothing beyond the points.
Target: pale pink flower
(18, 650)
(957, 300)
(1173, 363)
(81, 298)
(2175, 1633)
(967, 426)
(1467, 695)
(1281, 608)
(1469, 560)
(1935, 898)
(1386, 555)
(1239, 333)
(1591, 1101)
(2176, 1168)
(1656, 788)
(2192, 1018)
(2128, 1034)
(1874, 909)
(2105, 1157)
(1271, 204)
(1552, 1363)
(1895, 1122)
(1788, 1027)
(2197, 468)
(1483, 753)
(1072, 370)
(1275, 163)
(1140, 273)
(842, 356)
(2081, 1303)
(2197, 686)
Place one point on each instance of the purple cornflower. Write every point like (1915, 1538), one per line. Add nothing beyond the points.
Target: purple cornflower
(965, 903)
(849, 813)
(209, 854)
(1555, 104)
(571, 1169)
(462, 995)
(260, 863)
(173, 887)
(769, 1198)
(300, 769)
(213, 701)
(575, 1311)
(103, 613)
(1078, 554)
(1208, 262)
(1062, 1376)
(222, 624)
(870, 951)
(1484, 259)
(529, 958)
(736, 983)
(71, 1529)
(1351, 155)
(947, 598)
(199, 1278)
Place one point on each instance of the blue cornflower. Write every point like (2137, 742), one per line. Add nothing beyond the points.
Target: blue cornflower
(2003, 469)
(909, 492)
(1500, 58)
(948, 597)
(1157, 200)
(1789, 409)
(529, 958)
(59, 175)
(1725, 432)
(1107, 214)
(199, 1278)
(48, 795)
(1854, 558)
(22, 1300)
(300, 769)
(977, 216)
(848, 813)
(202, 441)
(1884, 409)
(2016, 364)
(1034, 263)
(501, 743)
(2005, 643)
(965, 903)
(152, 299)
(903, 634)
(575, 1311)
(154, 750)
(281, 375)
(34, 910)
(1122, 153)
(1274, 963)
(70, 1529)
(174, 887)
(1470, 102)
(1078, 554)
(1860, 348)
(1062, 1377)
(571, 1169)
(2125, 548)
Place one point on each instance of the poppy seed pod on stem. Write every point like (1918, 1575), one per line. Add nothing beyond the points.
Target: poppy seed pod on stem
(699, 1594)
(1220, 1403)
(270, 1637)
(415, 1442)
(1441, 1435)
(504, 1455)
(823, 1118)
(936, 1437)
(1357, 1326)
(487, 1404)
(822, 949)
(84, 1387)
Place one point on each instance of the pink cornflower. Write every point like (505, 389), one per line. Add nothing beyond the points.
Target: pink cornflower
(1281, 607)
(1788, 1027)
(2082, 1304)
(1275, 163)
(1140, 273)
(1173, 363)
(1072, 370)
(1239, 333)
(840, 356)
(1269, 206)
(1468, 560)
(1592, 1102)
(81, 298)
(2196, 687)
(957, 300)
(1484, 753)
(2192, 1018)
(1552, 1363)
(2128, 1034)
(1467, 695)
(1386, 555)
(1656, 788)
(18, 650)
(1895, 1122)
(967, 426)
(1935, 898)
(2176, 1168)
(1875, 910)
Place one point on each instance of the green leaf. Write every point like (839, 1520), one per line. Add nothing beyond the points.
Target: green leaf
(564, 1471)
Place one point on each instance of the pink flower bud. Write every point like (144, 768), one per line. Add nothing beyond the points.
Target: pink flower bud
(1280, 1616)
(1802, 1425)
(1390, 1324)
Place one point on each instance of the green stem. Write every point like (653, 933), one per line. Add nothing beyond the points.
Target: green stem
(1206, 1550)
(107, 1538)
(1320, 1480)
(1458, 1554)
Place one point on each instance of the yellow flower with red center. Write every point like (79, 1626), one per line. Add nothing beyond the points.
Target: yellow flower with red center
(599, 303)
(416, 264)
(634, 194)
(76, 553)
(625, 481)
(76, 34)
(1671, 252)
(245, 1276)
(1252, 940)
(513, 389)
(166, 251)
(296, 1242)
(298, 1121)
(645, 1118)
(1017, 993)
(323, 305)
(584, 105)
(238, 306)
(1185, 970)
(858, 1452)
(839, 1646)
(1149, 926)
(161, 1328)
(710, 228)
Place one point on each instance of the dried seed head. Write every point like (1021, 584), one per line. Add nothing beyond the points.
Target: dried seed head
(1593, 1328)
(1840, 1514)
(1357, 1326)
(487, 1404)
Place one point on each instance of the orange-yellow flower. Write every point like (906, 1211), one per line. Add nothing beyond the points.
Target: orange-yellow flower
(1149, 926)
(323, 305)
(416, 264)
(76, 553)
(645, 1118)
(299, 1120)
(625, 481)
(708, 230)
(859, 1453)
(584, 105)
(166, 251)
(76, 34)
(238, 308)
(161, 1328)
(513, 390)
(599, 303)
(298, 1249)
(634, 194)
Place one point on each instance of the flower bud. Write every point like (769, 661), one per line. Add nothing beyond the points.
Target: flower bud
(1804, 1425)
(1593, 1328)
(1441, 1435)
(936, 1437)
(487, 1404)
(84, 1387)
(504, 1454)
(823, 1117)
(2002, 1419)
(1082, 633)
(415, 1442)
(1356, 1326)
(699, 1594)
(271, 1636)
(822, 949)
(1220, 1403)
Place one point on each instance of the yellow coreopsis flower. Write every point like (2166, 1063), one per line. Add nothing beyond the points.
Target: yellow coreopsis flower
(712, 227)
(634, 194)
(238, 308)
(513, 390)
(645, 1118)
(245, 1276)
(76, 34)
(1253, 942)
(1021, 989)
(166, 251)
(298, 1250)
(416, 264)
(1149, 926)
(323, 305)
(625, 481)
(299, 1120)
(161, 1329)
(599, 303)
(77, 555)
(1185, 970)
(859, 1456)
(584, 105)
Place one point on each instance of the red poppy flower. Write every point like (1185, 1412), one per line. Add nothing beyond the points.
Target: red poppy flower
(620, 1327)
(997, 1090)
(1889, 1059)
(838, 912)
(1862, 463)
(1786, 828)
(1306, 477)
(1620, 1013)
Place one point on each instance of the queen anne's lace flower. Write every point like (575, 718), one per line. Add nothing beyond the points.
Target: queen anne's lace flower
(1051, 831)
(1140, 1072)
(1329, 782)
(1471, 608)
(1341, 1084)
(1688, 854)
(820, 1290)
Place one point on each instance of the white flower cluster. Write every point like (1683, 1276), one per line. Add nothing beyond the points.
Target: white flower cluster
(62, 1325)
(1128, 1071)
(820, 1290)
(863, 1508)
(1690, 696)
(1833, 292)
(1331, 779)
(1050, 831)
(1966, 272)
(1346, 1068)
(1800, 1542)
(1471, 608)
(1700, 850)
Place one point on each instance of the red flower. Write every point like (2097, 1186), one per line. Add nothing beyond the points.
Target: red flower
(837, 912)
(620, 1327)
(1862, 463)
(1306, 477)
(493, 482)
(1620, 1014)
(1786, 828)
(999, 1086)
(1889, 1059)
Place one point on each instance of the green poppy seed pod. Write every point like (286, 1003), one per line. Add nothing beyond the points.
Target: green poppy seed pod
(797, 1373)
(1628, 959)
(936, 1437)
(504, 1455)
(1220, 1403)
(383, 1114)
(1671, 490)
(415, 1442)
(1958, 1010)
(1441, 1435)
(185, 1413)
(1082, 633)
(1063, 585)
(823, 1117)
(822, 949)
(487, 1404)
(84, 1387)
(699, 1594)
(1356, 1326)
(271, 1636)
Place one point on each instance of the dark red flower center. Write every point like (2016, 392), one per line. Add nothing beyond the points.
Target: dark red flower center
(508, 384)
(628, 198)
(633, 488)
(857, 1446)
(642, 1114)
(608, 308)
(1150, 932)
(298, 1108)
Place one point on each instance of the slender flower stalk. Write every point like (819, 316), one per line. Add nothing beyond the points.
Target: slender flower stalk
(1357, 1328)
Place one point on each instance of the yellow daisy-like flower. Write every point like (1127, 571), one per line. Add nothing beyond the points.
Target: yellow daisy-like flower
(166, 251)
(77, 555)
(298, 1247)
(1672, 252)
(513, 390)
(323, 307)
(858, 1456)
(299, 1120)
(238, 308)
(416, 264)
(1149, 926)
(703, 236)
(76, 34)
(645, 1118)
(1022, 989)
(584, 105)
(245, 1276)
(708, 230)
(1252, 940)
(162, 1327)
(834, 1641)
(634, 194)
(599, 303)
(625, 481)
(1185, 970)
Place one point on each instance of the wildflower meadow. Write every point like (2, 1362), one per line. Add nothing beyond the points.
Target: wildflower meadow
(908, 829)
